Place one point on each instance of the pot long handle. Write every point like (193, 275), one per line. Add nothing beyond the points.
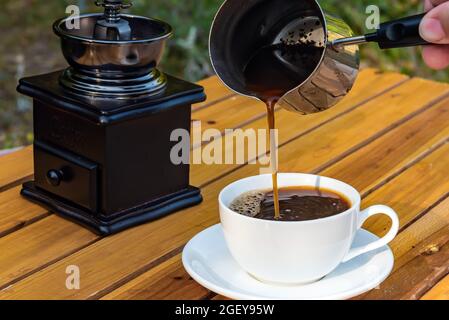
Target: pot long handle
(393, 34)
(399, 33)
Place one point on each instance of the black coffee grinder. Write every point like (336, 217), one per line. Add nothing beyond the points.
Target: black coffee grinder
(102, 127)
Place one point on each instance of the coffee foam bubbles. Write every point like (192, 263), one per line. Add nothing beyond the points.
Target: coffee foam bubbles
(249, 203)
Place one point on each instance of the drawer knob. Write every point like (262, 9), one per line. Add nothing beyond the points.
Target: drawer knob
(54, 177)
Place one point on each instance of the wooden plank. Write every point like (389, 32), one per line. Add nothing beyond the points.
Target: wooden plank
(16, 167)
(40, 241)
(164, 282)
(439, 292)
(16, 212)
(215, 91)
(407, 244)
(432, 132)
(136, 249)
(429, 265)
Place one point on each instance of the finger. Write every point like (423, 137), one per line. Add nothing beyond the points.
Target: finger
(432, 30)
(434, 27)
(436, 57)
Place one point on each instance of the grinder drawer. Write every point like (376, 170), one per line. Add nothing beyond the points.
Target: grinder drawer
(66, 175)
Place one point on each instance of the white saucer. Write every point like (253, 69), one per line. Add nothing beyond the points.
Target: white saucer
(207, 259)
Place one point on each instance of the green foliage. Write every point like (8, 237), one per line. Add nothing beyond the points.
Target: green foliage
(187, 54)
(28, 45)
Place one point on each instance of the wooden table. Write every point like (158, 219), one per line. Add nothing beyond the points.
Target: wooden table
(388, 138)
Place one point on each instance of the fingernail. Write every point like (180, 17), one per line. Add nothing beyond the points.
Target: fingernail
(432, 30)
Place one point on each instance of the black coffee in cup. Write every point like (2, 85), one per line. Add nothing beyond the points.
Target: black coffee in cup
(295, 204)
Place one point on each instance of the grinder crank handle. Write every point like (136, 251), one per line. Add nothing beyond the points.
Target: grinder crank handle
(393, 34)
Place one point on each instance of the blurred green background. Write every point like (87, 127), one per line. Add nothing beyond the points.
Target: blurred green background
(29, 47)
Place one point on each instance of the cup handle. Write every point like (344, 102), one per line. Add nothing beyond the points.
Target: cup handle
(365, 215)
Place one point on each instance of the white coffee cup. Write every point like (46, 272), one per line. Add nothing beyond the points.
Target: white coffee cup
(297, 252)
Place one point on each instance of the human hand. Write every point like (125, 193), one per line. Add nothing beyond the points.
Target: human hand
(435, 29)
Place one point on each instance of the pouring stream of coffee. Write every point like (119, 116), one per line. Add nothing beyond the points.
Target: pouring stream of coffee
(273, 71)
